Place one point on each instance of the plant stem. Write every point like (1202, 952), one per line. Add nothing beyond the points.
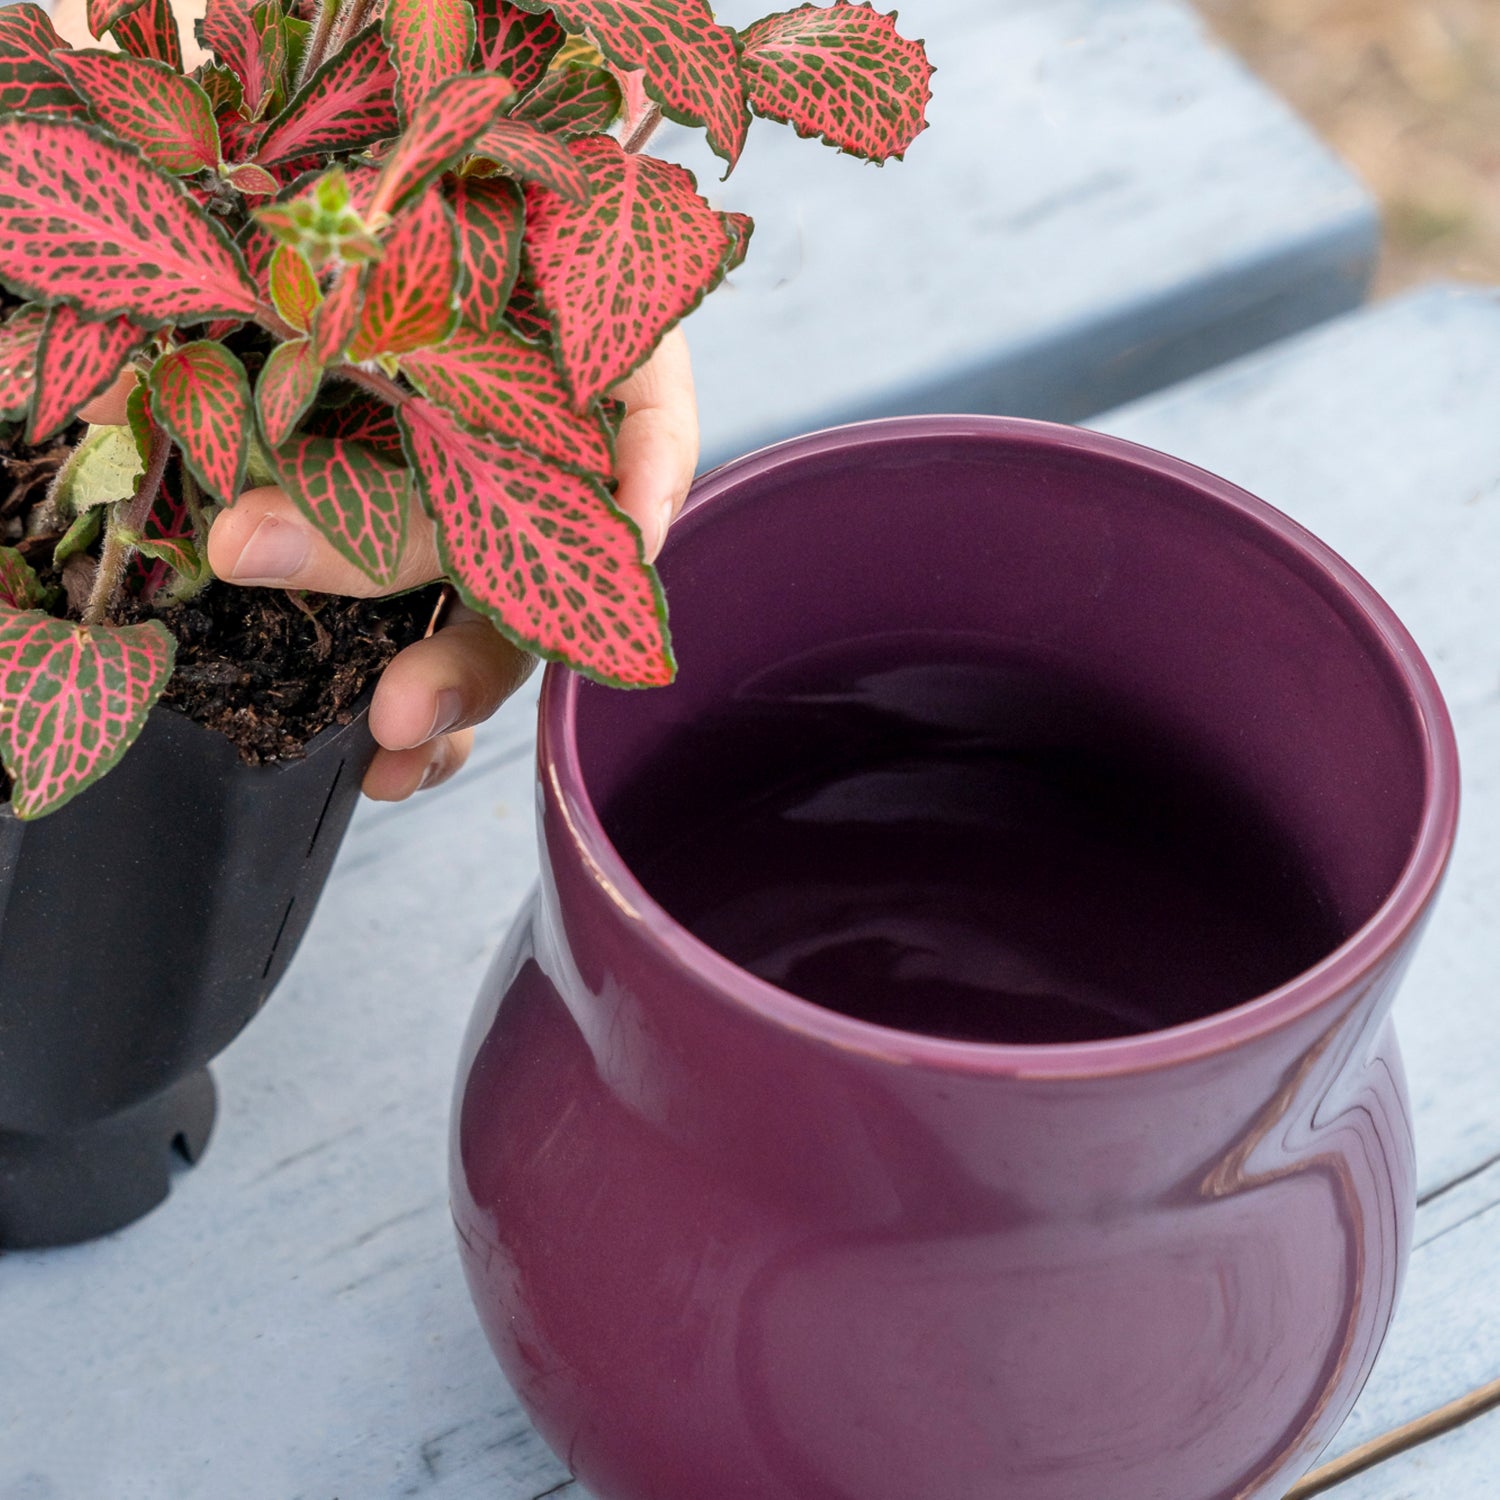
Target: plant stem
(377, 384)
(645, 130)
(317, 44)
(352, 22)
(116, 552)
(192, 497)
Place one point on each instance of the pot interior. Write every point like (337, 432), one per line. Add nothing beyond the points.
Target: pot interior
(1207, 739)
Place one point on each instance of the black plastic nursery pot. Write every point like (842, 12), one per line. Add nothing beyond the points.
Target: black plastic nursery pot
(141, 927)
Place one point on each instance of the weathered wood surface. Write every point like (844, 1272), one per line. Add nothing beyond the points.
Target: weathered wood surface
(1379, 433)
(1103, 203)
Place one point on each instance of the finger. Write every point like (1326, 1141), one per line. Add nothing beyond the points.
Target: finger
(657, 449)
(453, 679)
(265, 541)
(395, 774)
(108, 410)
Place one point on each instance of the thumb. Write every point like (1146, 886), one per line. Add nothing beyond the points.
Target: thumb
(264, 540)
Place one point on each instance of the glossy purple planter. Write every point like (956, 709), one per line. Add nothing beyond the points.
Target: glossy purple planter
(727, 1243)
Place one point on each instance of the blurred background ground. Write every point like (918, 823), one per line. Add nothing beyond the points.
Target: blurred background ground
(1408, 93)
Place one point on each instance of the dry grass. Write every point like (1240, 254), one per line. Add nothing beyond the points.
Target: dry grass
(1408, 93)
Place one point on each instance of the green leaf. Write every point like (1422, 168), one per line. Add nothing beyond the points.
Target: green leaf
(294, 288)
(200, 394)
(81, 535)
(73, 699)
(30, 81)
(103, 468)
(180, 553)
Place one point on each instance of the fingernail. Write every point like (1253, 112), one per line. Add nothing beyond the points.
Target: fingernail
(274, 553)
(447, 712)
(435, 768)
(657, 538)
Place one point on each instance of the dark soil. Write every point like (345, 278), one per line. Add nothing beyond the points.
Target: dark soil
(270, 670)
(25, 475)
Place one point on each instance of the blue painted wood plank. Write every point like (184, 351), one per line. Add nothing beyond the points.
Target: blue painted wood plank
(1105, 202)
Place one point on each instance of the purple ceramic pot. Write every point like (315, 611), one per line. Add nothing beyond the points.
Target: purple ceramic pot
(728, 1243)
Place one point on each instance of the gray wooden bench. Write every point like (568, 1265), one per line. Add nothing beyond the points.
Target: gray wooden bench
(293, 1323)
(1103, 204)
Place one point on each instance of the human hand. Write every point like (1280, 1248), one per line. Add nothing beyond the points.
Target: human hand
(432, 693)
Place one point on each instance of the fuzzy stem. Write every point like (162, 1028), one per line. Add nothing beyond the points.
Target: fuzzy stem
(351, 22)
(317, 44)
(192, 497)
(374, 382)
(116, 554)
(645, 130)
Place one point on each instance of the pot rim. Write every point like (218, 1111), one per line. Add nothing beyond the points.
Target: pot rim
(1339, 973)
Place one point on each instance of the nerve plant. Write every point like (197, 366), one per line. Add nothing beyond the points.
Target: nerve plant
(362, 252)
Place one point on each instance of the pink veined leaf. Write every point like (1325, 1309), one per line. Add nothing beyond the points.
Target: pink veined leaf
(239, 139)
(523, 150)
(542, 551)
(489, 216)
(252, 180)
(169, 516)
(294, 288)
(29, 77)
(228, 29)
(615, 275)
(150, 30)
(411, 294)
(288, 383)
(89, 222)
(20, 338)
(338, 317)
(347, 103)
(166, 115)
(103, 15)
(20, 588)
(841, 73)
(689, 63)
(364, 419)
(443, 127)
(258, 246)
(515, 44)
(179, 552)
(502, 385)
(224, 90)
(356, 499)
(526, 315)
(430, 40)
(72, 701)
(574, 100)
(199, 393)
(739, 228)
(78, 360)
